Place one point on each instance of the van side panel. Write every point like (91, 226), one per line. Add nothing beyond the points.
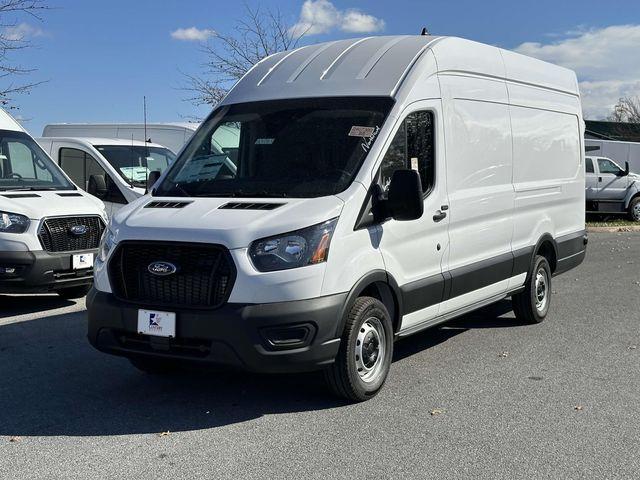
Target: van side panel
(481, 197)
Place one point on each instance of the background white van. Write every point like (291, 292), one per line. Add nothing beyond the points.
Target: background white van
(115, 171)
(49, 228)
(377, 187)
(170, 135)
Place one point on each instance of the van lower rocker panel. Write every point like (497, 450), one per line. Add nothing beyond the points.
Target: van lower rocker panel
(506, 272)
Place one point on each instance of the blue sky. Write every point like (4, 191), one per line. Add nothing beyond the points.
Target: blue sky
(100, 58)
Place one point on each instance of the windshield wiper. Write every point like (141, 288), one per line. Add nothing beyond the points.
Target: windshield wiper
(29, 189)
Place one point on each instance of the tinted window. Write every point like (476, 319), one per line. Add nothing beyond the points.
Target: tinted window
(293, 148)
(588, 163)
(412, 148)
(607, 166)
(25, 166)
(80, 166)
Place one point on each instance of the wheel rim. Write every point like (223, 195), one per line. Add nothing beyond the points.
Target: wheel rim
(370, 350)
(636, 211)
(542, 290)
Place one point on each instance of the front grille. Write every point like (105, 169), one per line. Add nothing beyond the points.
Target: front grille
(56, 234)
(203, 277)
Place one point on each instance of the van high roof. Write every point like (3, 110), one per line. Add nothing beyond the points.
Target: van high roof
(104, 141)
(378, 66)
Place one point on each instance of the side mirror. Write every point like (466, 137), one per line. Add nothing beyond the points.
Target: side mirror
(626, 168)
(404, 200)
(152, 179)
(97, 186)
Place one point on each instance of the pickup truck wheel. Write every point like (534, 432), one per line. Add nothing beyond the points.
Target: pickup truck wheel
(634, 210)
(366, 349)
(532, 305)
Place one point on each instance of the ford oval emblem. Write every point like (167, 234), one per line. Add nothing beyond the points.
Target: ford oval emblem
(162, 269)
(78, 230)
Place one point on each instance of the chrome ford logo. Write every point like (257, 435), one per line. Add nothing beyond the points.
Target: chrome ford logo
(162, 269)
(78, 230)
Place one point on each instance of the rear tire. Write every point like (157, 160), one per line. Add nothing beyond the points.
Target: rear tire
(74, 292)
(634, 210)
(366, 350)
(532, 305)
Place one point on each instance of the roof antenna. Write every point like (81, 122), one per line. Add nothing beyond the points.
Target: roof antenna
(424, 31)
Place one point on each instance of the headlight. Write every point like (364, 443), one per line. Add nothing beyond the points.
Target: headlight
(307, 246)
(13, 223)
(106, 244)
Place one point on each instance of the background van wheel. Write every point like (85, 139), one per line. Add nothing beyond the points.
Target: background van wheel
(74, 292)
(366, 349)
(634, 210)
(532, 305)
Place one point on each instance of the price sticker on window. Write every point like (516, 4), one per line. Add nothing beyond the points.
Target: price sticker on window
(414, 164)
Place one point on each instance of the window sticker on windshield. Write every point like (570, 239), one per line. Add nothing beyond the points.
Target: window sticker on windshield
(264, 141)
(414, 164)
(364, 132)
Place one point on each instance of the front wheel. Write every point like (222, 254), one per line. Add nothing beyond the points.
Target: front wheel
(634, 210)
(532, 304)
(366, 349)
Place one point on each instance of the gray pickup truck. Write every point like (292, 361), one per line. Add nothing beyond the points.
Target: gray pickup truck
(611, 189)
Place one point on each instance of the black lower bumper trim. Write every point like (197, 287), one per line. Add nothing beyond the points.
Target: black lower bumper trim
(235, 335)
(40, 271)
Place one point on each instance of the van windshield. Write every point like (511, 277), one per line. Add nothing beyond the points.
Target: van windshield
(25, 166)
(283, 148)
(134, 163)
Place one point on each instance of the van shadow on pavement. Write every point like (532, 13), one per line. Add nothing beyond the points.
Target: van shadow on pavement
(11, 305)
(53, 383)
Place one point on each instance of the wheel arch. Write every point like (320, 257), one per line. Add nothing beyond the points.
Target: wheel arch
(548, 248)
(377, 284)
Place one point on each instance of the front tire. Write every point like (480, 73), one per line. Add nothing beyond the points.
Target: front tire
(532, 305)
(634, 210)
(366, 350)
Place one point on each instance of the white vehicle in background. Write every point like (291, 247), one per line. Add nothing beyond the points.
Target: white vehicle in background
(378, 187)
(611, 189)
(116, 171)
(171, 135)
(49, 228)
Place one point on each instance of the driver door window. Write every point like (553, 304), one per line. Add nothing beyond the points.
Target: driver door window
(80, 166)
(607, 166)
(412, 147)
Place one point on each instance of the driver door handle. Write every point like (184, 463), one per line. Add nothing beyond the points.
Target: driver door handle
(440, 215)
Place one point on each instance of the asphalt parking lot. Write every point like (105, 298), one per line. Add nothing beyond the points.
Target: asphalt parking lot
(481, 397)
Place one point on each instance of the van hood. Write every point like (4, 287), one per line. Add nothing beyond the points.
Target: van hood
(40, 204)
(203, 219)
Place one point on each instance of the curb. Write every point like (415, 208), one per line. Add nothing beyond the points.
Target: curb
(613, 229)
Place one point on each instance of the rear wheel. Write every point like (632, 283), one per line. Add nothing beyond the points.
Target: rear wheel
(634, 210)
(366, 349)
(74, 292)
(532, 305)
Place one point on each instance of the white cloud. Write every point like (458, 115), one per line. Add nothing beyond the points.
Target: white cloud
(22, 31)
(192, 34)
(604, 60)
(321, 16)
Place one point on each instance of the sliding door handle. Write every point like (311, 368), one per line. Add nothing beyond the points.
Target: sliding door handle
(440, 215)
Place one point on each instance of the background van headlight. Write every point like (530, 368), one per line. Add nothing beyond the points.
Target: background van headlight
(13, 223)
(106, 245)
(307, 246)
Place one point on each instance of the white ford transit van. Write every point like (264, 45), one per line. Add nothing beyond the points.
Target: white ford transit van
(49, 229)
(378, 187)
(116, 171)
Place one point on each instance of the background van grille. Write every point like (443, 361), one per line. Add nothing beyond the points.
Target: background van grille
(56, 236)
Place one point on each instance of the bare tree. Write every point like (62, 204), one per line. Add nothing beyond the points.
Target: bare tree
(12, 40)
(627, 110)
(255, 36)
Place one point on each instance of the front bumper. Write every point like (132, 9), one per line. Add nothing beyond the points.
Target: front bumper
(40, 272)
(273, 337)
